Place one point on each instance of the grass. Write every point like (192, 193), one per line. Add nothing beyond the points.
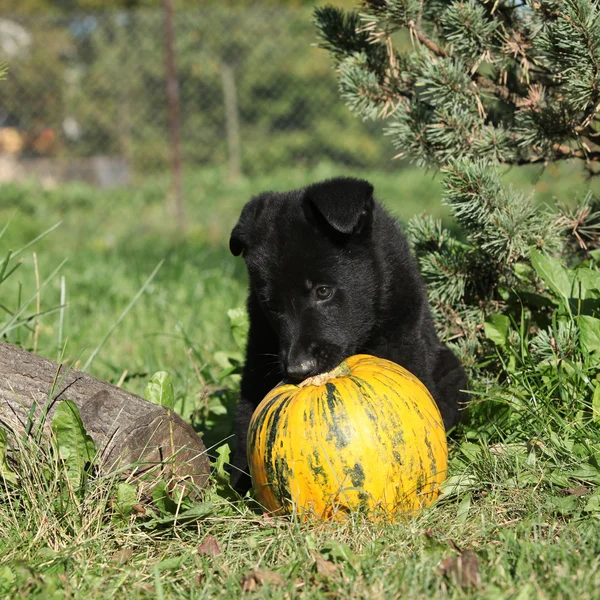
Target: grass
(534, 536)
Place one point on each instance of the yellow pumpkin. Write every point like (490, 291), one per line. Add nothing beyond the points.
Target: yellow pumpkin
(366, 436)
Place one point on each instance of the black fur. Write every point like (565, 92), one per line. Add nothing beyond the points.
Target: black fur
(331, 275)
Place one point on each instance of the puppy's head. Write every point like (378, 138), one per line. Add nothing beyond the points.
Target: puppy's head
(312, 270)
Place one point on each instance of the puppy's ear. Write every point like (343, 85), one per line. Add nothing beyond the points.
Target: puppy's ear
(344, 203)
(241, 235)
(236, 241)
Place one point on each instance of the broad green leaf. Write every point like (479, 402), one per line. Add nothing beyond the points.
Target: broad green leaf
(496, 329)
(554, 477)
(162, 498)
(159, 390)
(596, 403)
(239, 323)
(564, 505)
(216, 406)
(552, 273)
(5, 471)
(593, 503)
(170, 564)
(523, 271)
(586, 473)
(228, 360)
(471, 451)
(337, 552)
(75, 447)
(588, 280)
(221, 475)
(589, 333)
(188, 515)
(126, 498)
(223, 454)
(7, 579)
(457, 484)
(462, 514)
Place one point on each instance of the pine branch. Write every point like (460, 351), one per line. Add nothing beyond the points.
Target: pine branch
(423, 39)
(560, 152)
(499, 91)
(486, 82)
(341, 35)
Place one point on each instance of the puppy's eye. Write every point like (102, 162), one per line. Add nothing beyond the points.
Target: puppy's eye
(323, 292)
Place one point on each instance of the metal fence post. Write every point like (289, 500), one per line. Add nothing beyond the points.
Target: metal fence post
(174, 120)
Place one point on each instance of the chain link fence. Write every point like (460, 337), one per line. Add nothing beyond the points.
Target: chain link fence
(87, 94)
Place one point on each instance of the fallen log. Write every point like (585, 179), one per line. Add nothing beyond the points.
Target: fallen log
(129, 432)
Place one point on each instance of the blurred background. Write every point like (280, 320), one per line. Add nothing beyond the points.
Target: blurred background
(87, 95)
(132, 132)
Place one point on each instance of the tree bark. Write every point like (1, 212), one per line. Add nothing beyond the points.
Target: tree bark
(129, 432)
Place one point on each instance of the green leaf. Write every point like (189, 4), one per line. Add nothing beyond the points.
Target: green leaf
(596, 403)
(223, 454)
(457, 484)
(523, 271)
(462, 514)
(586, 473)
(7, 579)
(564, 505)
(189, 515)
(472, 451)
(240, 324)
(496, 329)
(589, 333)
(5, 471)
(588, 280)
(552, 273)
(162, 498)
(170, 564)
(593, 503)
(159, 390)
(75, 447)
(229, 361)
(337, 552)
(126, 498)
(221, 475)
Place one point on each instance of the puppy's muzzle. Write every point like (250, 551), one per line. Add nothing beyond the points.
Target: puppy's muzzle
(301, 368)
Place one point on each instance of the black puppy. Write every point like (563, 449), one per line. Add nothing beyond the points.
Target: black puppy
(331, 275)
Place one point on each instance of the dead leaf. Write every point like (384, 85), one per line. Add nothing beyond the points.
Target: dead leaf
(299, 583)
(122, 556)
(325, 568)
(578, 491)
(463, 569)
(209, 546)
(255, 579)
(139, 509)
(250, 582)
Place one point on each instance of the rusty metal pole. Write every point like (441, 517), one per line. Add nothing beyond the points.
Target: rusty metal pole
(174, 110)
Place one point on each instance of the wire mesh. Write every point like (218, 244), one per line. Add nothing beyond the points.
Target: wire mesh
(255, 93)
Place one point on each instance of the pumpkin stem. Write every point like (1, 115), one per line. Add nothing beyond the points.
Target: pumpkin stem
(342, 370)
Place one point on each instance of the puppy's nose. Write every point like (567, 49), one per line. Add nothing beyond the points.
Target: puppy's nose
(300, 369)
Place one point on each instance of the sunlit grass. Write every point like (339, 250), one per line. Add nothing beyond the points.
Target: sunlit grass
(533, 537)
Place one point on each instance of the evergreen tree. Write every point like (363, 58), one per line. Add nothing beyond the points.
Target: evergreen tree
(476, 84)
